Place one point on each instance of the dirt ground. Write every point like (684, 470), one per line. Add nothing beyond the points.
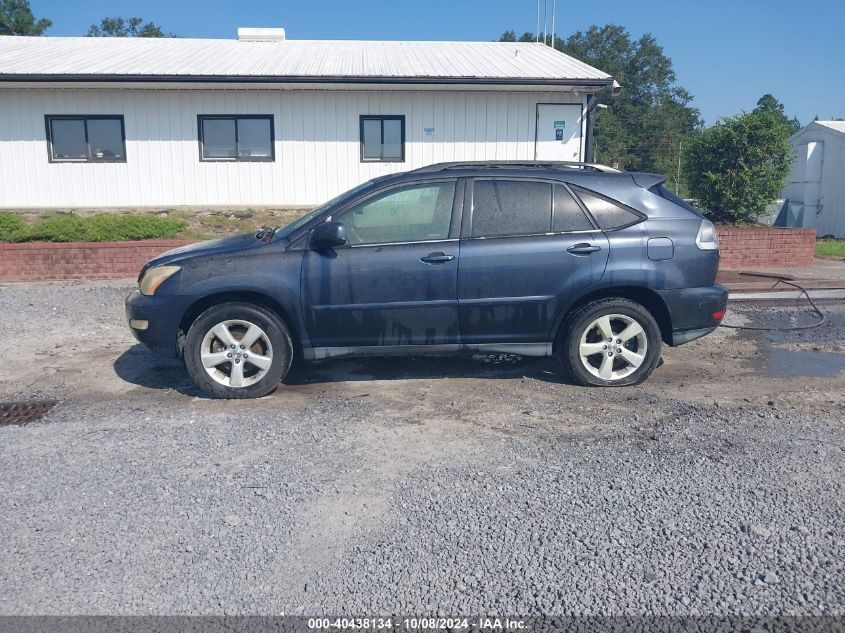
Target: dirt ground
(486, 483)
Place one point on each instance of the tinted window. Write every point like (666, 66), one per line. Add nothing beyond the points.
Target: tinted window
(608, 215)
(671, 196)
(511, 207)
(255, 138)
(241, 138)
(86, 138)
(382, 138)
(410, 214)
(105, 136)
(218, 138)
(568, 214)
(69, 139)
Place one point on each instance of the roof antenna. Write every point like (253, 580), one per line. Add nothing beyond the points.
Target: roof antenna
(537, 32)
(554, 11)
(545, 21)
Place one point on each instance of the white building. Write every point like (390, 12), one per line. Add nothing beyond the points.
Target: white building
(815, 194)
(264, 121)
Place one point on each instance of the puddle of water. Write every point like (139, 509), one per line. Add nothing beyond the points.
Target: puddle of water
(785, 363)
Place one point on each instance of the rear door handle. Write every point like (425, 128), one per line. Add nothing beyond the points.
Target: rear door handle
(437, 258)
(583, 249)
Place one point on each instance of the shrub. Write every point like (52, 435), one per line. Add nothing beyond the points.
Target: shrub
(104, 227)
(11, 226)
(737, 167)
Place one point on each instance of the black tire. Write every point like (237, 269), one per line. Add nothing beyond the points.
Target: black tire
(274, 339)
(581, 327)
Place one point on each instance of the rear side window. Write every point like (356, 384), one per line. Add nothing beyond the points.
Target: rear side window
(568, 214)
(671, 196)
(607, 214)
(511, 207)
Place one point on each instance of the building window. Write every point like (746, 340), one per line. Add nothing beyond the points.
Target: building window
(86, 138)
(246, 137)
(382, 139)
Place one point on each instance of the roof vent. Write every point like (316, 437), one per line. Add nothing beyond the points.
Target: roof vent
(261, 35)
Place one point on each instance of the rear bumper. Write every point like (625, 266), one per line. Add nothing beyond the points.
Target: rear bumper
(691, 311)
(162, 314)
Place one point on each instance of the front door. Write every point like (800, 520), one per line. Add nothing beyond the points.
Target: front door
(526, 249)
(395, 282)
(558, 132)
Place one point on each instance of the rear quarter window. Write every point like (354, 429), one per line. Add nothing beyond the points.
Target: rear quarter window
(609, 215)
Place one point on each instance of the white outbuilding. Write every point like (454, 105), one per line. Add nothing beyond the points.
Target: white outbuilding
(815, 194)
(267, 121)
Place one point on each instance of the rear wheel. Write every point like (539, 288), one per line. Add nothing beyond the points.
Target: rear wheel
(611, 342)
(237, 350)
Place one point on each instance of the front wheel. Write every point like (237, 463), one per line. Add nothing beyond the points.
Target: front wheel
(237, 350)
(611, 343)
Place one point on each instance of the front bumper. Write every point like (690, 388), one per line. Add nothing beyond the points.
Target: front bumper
(691, 311)
(163, 314)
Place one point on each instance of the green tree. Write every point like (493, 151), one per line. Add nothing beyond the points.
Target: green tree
(737, 167)
(644, 128)
(126, 27)
(767, 103)
(16, 19)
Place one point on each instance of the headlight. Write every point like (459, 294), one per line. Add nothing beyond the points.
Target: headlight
(154, 277)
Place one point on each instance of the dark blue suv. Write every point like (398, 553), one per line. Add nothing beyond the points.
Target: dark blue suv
(592, 265)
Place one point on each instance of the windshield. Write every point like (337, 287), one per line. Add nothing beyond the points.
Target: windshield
(286, 230)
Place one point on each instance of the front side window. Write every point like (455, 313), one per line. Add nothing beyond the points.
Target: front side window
(511, 207)
(382, 139)
(236, 138)
(411, 214)
(86, 138)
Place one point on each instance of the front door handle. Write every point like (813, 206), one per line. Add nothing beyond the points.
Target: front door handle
(437, 258)
(583, 249)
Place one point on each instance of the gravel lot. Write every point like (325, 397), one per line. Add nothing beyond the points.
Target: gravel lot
(469, 485)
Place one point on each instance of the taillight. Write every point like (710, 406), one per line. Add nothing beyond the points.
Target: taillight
(718, 315)
(707, 240)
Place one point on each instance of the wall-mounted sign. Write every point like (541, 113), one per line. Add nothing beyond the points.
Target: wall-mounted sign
(428, 131)
(559, 127)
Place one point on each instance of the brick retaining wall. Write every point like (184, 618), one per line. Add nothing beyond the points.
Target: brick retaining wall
(741, 247)
(44, 261)
(765, 247)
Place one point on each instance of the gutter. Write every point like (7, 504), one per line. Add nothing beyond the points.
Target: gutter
(275, 79)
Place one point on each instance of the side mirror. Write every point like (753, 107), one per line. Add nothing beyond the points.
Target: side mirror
(328, 235)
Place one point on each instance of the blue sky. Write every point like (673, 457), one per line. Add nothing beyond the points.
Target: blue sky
(727, 54)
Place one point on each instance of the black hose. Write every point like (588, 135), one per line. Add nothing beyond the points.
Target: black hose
(788, 282)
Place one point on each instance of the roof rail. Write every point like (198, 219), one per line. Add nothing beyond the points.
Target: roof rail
(505, 164)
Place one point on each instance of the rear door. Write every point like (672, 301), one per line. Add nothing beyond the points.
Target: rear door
(395, 282)
(526, 245)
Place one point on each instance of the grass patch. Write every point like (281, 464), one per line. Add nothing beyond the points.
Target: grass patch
(104, 227)
(831, 248)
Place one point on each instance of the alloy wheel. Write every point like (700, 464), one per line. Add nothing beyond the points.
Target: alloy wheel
(613, 346)
(236, 353)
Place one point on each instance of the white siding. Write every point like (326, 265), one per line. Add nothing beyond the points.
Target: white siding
(821, 203)
(316, 132)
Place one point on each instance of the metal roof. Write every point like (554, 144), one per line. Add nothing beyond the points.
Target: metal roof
(182, 59)
(838, 126)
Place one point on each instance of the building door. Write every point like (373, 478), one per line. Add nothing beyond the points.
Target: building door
(558, 135)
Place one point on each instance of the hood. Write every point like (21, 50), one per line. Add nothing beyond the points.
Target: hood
(219, 246)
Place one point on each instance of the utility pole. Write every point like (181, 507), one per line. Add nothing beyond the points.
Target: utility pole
(678, 179)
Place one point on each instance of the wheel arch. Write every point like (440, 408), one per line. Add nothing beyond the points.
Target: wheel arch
(646, 297)
(242, 296)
